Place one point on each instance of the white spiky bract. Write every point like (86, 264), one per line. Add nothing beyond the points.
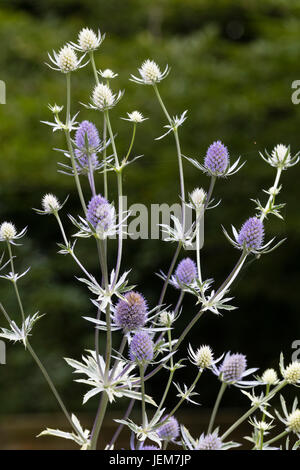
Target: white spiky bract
(7, 231)
(293, 421)
(50, 203)
(292, 372)
(270, 376)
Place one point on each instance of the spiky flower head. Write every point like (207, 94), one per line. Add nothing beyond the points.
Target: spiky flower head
(141, 347)
(251, 234)
(197, 198)
(67, 59)
(87, 141)
(7, 231)
(150, 73)
(293, 421)
(108, 74)
(88, 40)
(281, 154)
(233, 367)
(169, 430)
(292, 372)
(209, 442)
(100, 213)
(103, 96)
(135, 117)
(269, 376)
(50, 203)
(131, 313)
(217, 159)
(166, 318)
(202, 357)
(186, 272)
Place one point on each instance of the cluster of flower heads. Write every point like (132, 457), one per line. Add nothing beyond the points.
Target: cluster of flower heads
(131, 311)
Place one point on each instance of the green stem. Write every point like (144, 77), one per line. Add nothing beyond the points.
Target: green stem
(181, 400)
(15, 282)
(51, 385)
(263, 419)
(170, 376)
(69, 143)
(94, 67)
(216, 407)
(276, 438)
(99, 420)
(142, 370)
(112, 139)
(251, 410)
(131, 143)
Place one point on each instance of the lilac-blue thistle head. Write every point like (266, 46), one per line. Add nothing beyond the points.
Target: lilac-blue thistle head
(210, 442)
(233, 367)
(131, 313)
(100, 213)
(87, 141)
(170, 430)
(251, 234)
(217, 159)
(186, 272)
(141, 347)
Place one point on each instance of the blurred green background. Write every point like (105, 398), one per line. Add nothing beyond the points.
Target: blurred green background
(232, 66)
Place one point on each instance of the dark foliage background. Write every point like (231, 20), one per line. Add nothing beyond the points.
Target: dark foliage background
(233, 64)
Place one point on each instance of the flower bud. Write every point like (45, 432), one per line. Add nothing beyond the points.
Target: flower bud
(251, 234)
(141, 347)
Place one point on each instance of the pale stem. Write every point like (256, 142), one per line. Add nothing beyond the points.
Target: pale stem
(46, 376)
(252, 409)
(71, 250)
(198, 247)
(15, 282)
(271, 197)
(179, 155)
(99, 420)
(276, 438)
(185, 396)
(170, 376)
(94, 67)
(164, 289)
(69, 143)
(120, 352)
(216, 407)
(263, 419)
(131, 143)
(142, 370)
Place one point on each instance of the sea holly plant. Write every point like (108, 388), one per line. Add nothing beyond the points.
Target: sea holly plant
(150, 342)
